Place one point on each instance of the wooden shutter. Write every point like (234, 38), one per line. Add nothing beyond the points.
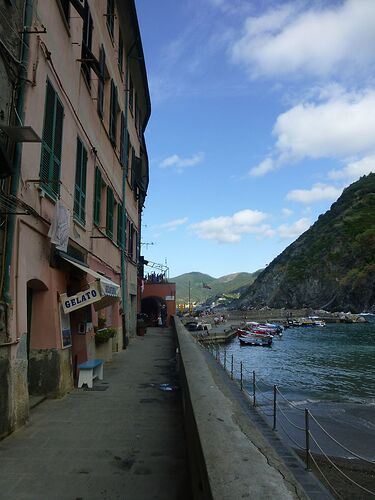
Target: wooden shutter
(120, 216)
(97, 196)
(120, 54)
(80, 186)
(110, 207)
(50, 164)
(110, 16)
(113, 114)
(101, 81)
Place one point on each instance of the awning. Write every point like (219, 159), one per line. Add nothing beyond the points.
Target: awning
(102, 292)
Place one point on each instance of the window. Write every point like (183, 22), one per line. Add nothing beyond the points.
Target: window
(113, 114)
(111, 17)
(97, 196)
(120, 54)
(129, 172)
(101, 81)
(120, 217)
(124, 138)
(80, 187)
(130, 239)
(110, 210)
(86, 43)
(50, 164)
(131, 91)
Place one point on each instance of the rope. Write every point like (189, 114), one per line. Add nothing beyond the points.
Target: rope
(290, 437)
(263, 394)
(339, 470)
(289, 402)
(339, 444)
(323, 475)
(288, 419)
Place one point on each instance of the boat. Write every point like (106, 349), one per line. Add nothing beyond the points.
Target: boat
(241, 332)
(256, 340)
(271, 328)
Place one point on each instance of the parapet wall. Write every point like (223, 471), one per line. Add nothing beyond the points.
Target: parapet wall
(228, 456)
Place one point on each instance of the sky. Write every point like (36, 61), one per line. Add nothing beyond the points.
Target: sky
(262, 113)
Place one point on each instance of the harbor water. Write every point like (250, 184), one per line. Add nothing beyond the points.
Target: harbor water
(329, 370)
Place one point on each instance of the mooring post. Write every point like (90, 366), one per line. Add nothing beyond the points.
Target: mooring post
(225, 360)
(241, 375)
(231, 367)
(274, 407)
(307, 437)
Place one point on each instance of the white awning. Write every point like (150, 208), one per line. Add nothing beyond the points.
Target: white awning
(102, 293)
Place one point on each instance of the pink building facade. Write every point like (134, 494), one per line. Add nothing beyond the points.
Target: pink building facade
(80, 192)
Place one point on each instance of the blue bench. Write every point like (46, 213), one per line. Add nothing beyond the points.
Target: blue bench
(90, 370)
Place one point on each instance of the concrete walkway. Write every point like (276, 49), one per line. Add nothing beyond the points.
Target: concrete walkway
(122, 440)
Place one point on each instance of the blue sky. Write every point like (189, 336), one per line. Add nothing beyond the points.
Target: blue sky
(262, 112)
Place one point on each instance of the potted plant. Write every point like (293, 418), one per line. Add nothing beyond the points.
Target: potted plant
(103, 333)
(141, 324)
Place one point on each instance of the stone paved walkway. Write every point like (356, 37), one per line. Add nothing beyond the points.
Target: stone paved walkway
(122, 440)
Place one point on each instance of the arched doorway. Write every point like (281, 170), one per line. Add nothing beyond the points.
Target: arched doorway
(34, 290)
(152, 307)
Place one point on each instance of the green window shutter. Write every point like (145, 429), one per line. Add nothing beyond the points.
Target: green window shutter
(110, 207)
(120, 216)
(80, 186)
(120, 54)
(113, 114)
(101, 81)
(50, 165)
(97, 196)
(111, 16)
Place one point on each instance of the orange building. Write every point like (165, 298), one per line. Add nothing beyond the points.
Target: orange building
(155, 296)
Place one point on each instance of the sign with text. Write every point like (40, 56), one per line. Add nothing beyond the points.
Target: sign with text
(81, 299)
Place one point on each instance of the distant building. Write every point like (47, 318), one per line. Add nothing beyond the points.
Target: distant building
(73, 201)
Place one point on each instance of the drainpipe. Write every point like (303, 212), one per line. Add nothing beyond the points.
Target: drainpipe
(124, 174)
(27, 19)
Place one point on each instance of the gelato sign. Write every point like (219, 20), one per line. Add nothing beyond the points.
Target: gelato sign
(81, 299)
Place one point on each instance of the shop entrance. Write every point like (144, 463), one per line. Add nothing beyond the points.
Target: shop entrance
(152, 307)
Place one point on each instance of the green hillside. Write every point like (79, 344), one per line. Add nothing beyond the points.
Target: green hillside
(218, 286)
(331, 265)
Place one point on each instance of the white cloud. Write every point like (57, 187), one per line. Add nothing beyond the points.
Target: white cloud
(355, 169)
(337, 128)
(262, 168)
(229, 229)
(318, 192)
(173, 224)
(290, 40)
(287, 212)
(180, 163)
(292, 231)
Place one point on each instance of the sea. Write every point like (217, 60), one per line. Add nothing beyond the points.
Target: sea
(329, 370)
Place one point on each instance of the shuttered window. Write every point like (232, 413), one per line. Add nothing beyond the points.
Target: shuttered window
(87, 43)
(113, 114)
(101, 81)
(120, 217)
(124, 141)
(111, 16)
(50, 164)
(110, 210)
(120, 54)
(97, 196)
(80, 186)
(131, 94)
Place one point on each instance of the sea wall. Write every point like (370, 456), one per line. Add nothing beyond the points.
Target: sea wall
(228, 456)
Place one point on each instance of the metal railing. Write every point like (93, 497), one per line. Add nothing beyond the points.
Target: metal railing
(273, 404)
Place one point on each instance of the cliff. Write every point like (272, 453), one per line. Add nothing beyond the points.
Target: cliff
(330, 266)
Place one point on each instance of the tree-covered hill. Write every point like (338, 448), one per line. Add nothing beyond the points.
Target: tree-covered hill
(331, 265)
(198, 293)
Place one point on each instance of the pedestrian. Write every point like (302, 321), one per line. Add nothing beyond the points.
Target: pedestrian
(163, 314)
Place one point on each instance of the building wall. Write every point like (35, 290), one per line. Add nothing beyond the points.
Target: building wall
(38, 362)
(162, 293)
